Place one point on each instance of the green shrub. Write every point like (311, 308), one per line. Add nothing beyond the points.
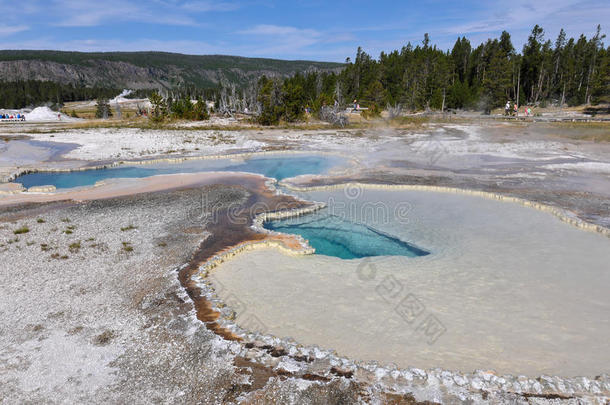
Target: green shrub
(22, 230)
(74, 247)
(372, 112)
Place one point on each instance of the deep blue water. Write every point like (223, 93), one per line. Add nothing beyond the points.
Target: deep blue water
(333, 236)
(280, 167)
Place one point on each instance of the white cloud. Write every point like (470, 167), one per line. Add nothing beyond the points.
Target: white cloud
(96, 45)
(273, 30)
(6, 30)
(203, 6)
(278, 40)
(79, 13)
(89, 13)
(575, 16)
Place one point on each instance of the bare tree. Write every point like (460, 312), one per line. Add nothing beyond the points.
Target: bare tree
(394, 111)
(334, 115)
(339, 94)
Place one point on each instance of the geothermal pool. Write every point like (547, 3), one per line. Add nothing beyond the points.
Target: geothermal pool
(278, 167)
(504, 287)
(332, 235)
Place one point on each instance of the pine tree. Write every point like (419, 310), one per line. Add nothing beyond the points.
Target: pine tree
(158, 107)
(102, 109)
(201, 110)
(268, 97)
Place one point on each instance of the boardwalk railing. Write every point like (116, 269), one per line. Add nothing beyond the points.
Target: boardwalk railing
(22, 119)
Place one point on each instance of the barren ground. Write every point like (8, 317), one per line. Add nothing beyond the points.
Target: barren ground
(92, 310)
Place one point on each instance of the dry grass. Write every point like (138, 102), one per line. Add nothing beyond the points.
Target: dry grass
(88, 111)
(355, 122)
(104, 338)
(583, 131)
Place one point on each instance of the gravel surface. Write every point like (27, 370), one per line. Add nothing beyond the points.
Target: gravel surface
(92, 310)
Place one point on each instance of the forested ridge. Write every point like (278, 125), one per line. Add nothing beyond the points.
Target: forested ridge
(163, 59)
(74, 74)
(566, 71)
(25, 93)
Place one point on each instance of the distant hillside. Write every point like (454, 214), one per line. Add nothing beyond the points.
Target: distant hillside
(145, 70)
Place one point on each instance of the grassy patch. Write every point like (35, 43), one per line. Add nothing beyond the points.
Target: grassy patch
(128, 228)
(218, 139)
(127, 247)
(100, 247)
(69, 230)
(582, 131)
(411, 122)
(66, 220)
(162, 244)
(22, 230)
(40, 221)
(74, 247)
(44, 247)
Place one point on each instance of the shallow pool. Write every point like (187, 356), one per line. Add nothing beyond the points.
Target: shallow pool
(332, 235)
(278, 167)
(506, 287)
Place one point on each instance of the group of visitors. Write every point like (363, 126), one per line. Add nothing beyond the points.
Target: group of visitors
(14, 117)
(511, 109)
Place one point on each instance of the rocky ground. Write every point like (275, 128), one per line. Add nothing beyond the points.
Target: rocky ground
(92, 310)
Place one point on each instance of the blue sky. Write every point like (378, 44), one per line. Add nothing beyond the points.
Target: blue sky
(301, 29)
